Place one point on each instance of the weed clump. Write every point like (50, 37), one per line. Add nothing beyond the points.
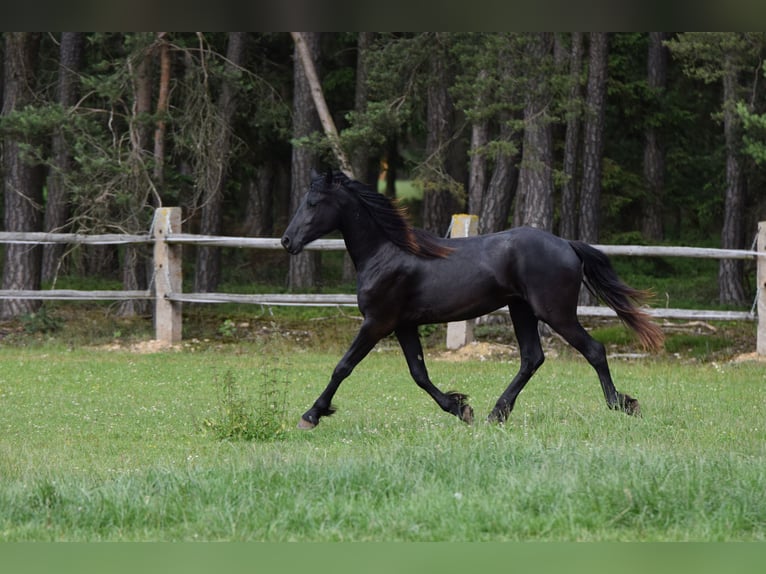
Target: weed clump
(258, 416)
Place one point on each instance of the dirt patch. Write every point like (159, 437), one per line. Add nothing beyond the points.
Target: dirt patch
(479, 351)
(142, 347)
(749, 357)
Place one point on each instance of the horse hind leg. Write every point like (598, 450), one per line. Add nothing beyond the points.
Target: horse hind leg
(595, 353)
(525, 326)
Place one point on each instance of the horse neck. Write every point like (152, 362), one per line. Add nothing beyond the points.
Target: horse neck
(362, 235)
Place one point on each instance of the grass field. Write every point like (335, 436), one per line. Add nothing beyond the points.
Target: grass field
(98, 443)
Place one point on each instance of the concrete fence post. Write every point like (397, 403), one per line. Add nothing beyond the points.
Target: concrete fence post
(460, 333)
(760, 345)
(168, 319)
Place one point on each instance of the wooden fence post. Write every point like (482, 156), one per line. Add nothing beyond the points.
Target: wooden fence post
(460, 333)
(167, 276)
(760, 345)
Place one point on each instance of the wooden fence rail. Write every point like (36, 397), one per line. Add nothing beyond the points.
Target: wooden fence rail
(168, 296)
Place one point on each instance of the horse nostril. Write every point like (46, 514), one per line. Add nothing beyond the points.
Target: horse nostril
(285, 241)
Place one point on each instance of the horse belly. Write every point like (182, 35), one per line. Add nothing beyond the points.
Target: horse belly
(454, 300)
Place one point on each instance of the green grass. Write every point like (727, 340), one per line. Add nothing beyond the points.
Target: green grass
(98, 444)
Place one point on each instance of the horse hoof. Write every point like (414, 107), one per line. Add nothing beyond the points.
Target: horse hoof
(632, 408)
(629, 405)
(303, 424)
(495, 419)
(467, 415)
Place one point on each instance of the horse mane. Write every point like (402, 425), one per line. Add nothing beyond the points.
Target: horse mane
(394, 221)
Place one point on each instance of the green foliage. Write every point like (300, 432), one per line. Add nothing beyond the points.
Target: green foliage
(692, 345)
(228, 329)
(754, 136)
(41, 321)
(242, 417)
(430, 178)
(368, 131)
(398, 73)
(31, 121)
(675, 282)
(708, 56)
(318, 143)
(613, 335)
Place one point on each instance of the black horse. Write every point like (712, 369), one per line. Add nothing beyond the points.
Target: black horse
(408, 277)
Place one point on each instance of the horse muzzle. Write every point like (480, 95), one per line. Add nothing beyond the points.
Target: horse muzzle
(293, 248)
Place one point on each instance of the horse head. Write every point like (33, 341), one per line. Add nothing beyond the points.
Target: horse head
(319, 213)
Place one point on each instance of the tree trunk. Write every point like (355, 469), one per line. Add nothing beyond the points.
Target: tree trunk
(304, 55)
(163, 98)
(477, 170)
(477, 178)
(535, 194)
(654, 155)
(207, 272)
(439, 203)
(593, 145)
(22, 182)
(260, 202)
(304, 267)
(730, 271)
(365, 165)
(568, 223)
(57, 205)
(134, 259)
(498, 198)
(590, 195)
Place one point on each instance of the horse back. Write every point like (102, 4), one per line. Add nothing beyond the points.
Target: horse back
(481, 274)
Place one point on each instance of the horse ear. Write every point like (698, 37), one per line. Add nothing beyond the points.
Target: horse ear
(315, 174)
(328, 177)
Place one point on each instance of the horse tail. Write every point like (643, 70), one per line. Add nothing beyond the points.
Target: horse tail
(602, 281)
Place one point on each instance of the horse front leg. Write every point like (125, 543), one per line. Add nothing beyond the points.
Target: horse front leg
(452, 402)
(367, 337)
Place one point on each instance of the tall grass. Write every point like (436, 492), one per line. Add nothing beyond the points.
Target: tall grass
(112, 445)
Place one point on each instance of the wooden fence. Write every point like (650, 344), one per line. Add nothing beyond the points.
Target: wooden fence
(168, 297)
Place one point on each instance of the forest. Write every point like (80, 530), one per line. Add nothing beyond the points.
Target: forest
(633, 138)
